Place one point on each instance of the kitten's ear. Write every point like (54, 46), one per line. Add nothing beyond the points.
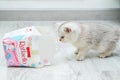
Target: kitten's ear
(67, 30)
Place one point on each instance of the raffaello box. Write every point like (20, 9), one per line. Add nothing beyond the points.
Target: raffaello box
(28, 47)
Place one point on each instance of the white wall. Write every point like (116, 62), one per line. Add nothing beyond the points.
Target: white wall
(58, 4)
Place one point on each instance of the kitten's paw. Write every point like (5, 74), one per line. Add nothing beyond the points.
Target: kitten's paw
(76, 52)
(81, 58)
(102, 56)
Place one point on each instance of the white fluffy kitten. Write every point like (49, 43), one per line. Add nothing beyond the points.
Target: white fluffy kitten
(89, 36)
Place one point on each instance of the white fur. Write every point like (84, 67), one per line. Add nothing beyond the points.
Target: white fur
(89, 36)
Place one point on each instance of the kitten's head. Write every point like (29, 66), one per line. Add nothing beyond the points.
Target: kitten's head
(68, 32)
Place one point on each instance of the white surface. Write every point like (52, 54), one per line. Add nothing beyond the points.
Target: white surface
(58, 4)
(66, 67)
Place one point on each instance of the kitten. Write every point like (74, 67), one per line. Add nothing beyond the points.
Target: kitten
(89, 36)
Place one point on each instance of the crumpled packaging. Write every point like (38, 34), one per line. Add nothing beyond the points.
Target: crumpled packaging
(28, 47)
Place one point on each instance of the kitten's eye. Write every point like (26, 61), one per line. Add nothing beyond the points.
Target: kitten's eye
(62, 37)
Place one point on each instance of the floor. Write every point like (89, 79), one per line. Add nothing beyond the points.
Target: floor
(65, 67)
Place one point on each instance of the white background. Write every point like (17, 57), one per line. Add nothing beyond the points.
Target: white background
(58, 4)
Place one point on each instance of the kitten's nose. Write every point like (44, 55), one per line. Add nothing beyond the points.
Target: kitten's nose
(60, 39)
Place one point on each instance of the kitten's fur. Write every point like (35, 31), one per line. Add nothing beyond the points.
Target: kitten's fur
(89, 36)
